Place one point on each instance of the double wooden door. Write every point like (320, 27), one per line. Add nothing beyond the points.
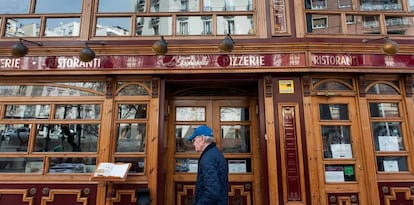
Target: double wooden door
(234, 124)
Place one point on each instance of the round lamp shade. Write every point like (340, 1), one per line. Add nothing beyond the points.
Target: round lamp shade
(19, 50)
(226, 45)
(160, 47)
(390, 47)
(86, 54)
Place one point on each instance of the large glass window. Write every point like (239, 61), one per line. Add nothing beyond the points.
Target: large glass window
(361, 17)
(50, 134)
(65, 22)
(174, 18)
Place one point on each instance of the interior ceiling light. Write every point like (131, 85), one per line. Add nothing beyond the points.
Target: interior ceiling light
(86, 54)
(389, 47)
(20, 50)
(160, 47)
(227, 44)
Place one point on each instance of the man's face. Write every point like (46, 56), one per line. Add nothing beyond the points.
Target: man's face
(198, 143)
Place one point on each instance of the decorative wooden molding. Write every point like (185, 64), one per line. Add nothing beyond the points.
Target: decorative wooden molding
(26, 194)
(408, 81)
(306, 85)
(55, 192)
(268, 86)
(155, 86)
(362, 85)
(109, 87)
(119, 193)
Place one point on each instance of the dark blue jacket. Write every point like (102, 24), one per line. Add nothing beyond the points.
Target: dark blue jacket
(212, 178)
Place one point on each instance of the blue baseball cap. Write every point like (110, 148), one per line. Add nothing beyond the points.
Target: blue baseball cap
(201, 130)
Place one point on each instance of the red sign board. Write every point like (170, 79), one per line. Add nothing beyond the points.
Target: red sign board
(361, 60)
(155, 62)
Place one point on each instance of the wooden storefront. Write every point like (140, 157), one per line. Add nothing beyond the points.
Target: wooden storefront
(304, 110)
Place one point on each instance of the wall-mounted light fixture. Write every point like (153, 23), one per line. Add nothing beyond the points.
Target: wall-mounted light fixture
(160, 47)
(20, 50)
(86, 54)
(389, 47)
(227, 44)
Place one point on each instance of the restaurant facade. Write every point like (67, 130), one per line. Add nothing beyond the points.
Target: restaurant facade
(310, 101)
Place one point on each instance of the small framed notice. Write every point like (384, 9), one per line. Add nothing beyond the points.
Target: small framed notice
(391, 166)
(107, 171)
(237, 166)
(286, 86)
(334, 174)
(388, 143)
(341, 150)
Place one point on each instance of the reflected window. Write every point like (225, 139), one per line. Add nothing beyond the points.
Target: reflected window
(62, 27)
(66, 137)
(116, 26)
(48, 90)
(190, 114)
(22, 27)
(235, 139)
(137, 164)
(333, 112)
(27, 111)
(72, 165)
(21, 165)
(387, 136)
(58, 6)
(240, 25)
(131, 137)
(380, 5)
(382, 89)
(384, 109)
(119, 6)
(188, 165)
(132, 111)
(234, 114)
(78, 111)
(134, 90)
(158, 25)
(336, 141)
(14, 6)
(181, 133)
(392, 164)
(15, 137)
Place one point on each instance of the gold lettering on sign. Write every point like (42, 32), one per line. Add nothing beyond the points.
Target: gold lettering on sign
(291, 154)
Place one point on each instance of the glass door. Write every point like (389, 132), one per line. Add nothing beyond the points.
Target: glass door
(336, 146)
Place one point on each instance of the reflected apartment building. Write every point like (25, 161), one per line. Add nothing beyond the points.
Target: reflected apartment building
(311, 103)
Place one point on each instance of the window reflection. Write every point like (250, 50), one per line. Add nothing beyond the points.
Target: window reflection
(175, 6)
(121, 6)
(72, 165)
(190, 114)
(181, 132)
(14, 137)
(117, 26)
(22, 27)
(235, 139)
(234, 25)
(333, 112)
(228, 5)
(78, 111)
(392, 164)
(148, 26)
(336, 141)
(47, 90)
(62, 27)
(61, 6)
(14, 6)
(137, 164)
(131, 137)
(27, 112)
(387, 136)
(132, 111)
(382, 89)
(21, 165)
(384, 109)
(377, 5)
(234, 114)
(66, 137)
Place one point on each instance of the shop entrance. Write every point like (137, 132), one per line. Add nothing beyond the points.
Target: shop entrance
(233, 120)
